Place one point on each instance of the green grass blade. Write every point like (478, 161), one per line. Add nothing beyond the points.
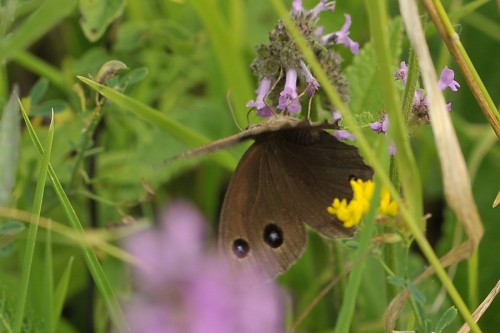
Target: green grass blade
(48, 290)
(10, 139)
(93, 264)
(60, 294)
(156, 118)
(33, 230)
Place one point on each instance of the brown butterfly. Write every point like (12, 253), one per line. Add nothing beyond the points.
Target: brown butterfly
(284, 181)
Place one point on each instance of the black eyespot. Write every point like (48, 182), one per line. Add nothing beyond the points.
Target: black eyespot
(240, 248)
(352, 177)
(273, 235)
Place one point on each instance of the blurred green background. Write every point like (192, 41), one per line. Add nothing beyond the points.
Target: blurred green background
(184, 59)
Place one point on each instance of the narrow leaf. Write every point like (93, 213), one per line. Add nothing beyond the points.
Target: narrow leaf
(93, 264)
(60, 294)
(446, 319)
(10, 138)
(32, 231)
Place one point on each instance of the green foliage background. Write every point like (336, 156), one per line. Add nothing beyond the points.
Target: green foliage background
(183, 59)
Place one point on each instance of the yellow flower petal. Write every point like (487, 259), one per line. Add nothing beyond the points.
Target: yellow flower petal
(387, 207)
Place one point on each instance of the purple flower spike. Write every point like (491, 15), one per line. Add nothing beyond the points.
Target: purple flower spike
(262, 109)
(382, 125)
(343, 135)
(312, 83)
(297, 6)
(288, 97)
(343, 36)
(446, 79)
(182, 287)
(322, 6)
(402, 74)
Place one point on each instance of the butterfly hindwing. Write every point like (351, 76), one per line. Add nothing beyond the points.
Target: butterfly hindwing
(255, 209)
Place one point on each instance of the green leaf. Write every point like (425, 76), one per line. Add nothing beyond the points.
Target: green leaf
(416, 294)
(11, 228)
(7, 249)
(38, 90)
(48, 15)
(362, 74)
(10, 138)
(45, 109)
(446, 319)
(97, 15)
(134, 76)
(8, 232)
(396, 280)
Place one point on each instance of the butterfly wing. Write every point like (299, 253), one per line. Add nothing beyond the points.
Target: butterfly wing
(259, 227)
(318, 169)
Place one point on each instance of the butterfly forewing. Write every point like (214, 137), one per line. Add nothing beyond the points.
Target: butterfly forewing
(319, 168)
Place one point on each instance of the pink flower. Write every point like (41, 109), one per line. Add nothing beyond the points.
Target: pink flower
(342, 36)
(322, 6)
(262, 109)
(402, 74)
(312, 83)
(288, 97)
(382, 125)
(183, 288)
(446, 79)
(297, 6)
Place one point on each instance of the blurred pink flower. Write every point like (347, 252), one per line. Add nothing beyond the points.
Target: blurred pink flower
(183, 287)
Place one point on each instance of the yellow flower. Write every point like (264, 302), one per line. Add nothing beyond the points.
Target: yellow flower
(387, 207)
(351, 213)
(362, 193)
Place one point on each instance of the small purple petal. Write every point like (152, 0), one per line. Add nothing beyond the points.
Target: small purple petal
(446, 79)
(342, 135)
(448, 107)
(312, 83)
(419, 101)
(288, 99)
(336, 115)
(382, 125)
(402, 74)
(322, 6)
(342, 36)
(319, 31)
(262, 109)
(377, 127)
(297, 6)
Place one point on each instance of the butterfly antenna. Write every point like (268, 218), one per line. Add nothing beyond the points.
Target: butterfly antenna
(232, 110)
